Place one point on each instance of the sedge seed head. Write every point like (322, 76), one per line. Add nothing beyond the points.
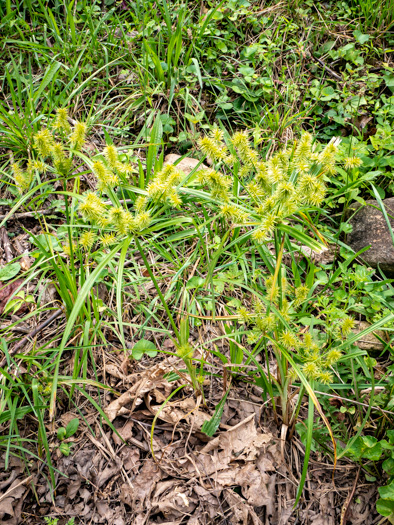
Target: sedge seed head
(123, 220)
(185, 351)
(332, 357)
(61, 120)
(301, 293)
(311, 370)
(22, 178)
(105, 177)
(111, 155)
(87, 239)
(39, 166)
(107, 240)
(43, 142)
(347, 325)
(240, 140)
(244, 315)
(92, 207)
(211, 148)
(57, 151)
(216, 134)
(308, 340)
(352, 162)
(142, 220)
(260, 235)
(140, 203)
(325, 377)
(77, 138)
(67, 248)
(289, 340)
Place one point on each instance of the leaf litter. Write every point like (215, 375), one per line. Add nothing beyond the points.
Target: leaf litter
(238, 477)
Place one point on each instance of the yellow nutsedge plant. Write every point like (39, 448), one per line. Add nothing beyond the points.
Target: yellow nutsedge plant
(61, 121)
(43, 142)
(87, 240)
(163, 187)
(22, 178)
(77, 138)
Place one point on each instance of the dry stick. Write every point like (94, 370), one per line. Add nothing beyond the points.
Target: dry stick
(329, 70)
(15, 328)
(6, 245)
(345, 507)
(26, 214)
(31, 334)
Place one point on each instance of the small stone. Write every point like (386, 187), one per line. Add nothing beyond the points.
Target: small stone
(370, 341)
(186, 165)
(370, 229)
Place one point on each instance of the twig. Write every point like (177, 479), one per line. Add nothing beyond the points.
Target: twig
(355, 402)
(15, 328)
(6, 244)
(26, 214)
(345, 507)
(329, 70)
(31, 334)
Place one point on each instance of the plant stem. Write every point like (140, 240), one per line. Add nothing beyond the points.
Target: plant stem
(163, 301)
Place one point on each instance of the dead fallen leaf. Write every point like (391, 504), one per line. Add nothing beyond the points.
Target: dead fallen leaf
(6, 292)
(138, 496)
(241, 512)
(152, 379)
(13, 491)
(130, 458)
(125, 431)
(185, 409)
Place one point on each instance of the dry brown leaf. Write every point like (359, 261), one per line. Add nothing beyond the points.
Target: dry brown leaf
(242, 456)
(130, 458)
(114, 371)
(151, 380)
(173, 500)
(105, 474)
(241, 513)
(185, 409)
(14, 489)
(125, 432)
(138, 496)
(6, 292)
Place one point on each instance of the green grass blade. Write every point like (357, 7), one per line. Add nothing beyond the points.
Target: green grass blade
(72, 319)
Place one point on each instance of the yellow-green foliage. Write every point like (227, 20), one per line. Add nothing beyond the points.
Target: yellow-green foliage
(245, 189)
(291, 180)
(268, 191)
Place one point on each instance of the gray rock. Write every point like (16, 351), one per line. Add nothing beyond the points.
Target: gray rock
(370, 341)
(370, 228)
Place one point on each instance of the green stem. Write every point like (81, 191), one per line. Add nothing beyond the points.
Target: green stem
(163, 301)
(308, 446)
(70, 239)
